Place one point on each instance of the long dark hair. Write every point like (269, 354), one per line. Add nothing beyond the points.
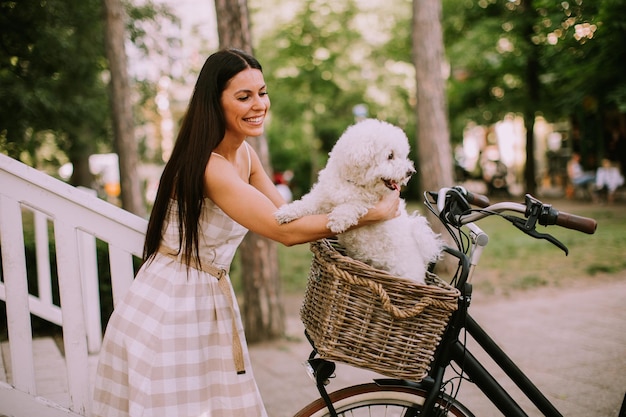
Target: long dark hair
(202, 129)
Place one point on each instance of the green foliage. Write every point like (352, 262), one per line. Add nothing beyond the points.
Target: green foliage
(505, 57)
(54, 76)
(318, 66)
(321, 59)
(306, 67)
(50, 76)
(575, 48)
(145, 21)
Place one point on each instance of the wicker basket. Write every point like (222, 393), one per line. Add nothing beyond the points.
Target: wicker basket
(370, 319)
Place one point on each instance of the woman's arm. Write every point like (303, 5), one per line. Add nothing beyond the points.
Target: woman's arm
(260, 180)
(251, 208)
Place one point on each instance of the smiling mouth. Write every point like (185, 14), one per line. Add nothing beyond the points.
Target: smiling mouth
(391, 184)
(258, 119)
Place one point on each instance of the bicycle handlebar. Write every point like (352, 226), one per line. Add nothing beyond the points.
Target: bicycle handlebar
(574, 222)
(542, 213)
(545, 215)
(478, 200)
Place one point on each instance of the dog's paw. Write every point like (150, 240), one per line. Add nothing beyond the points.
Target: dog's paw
(338, 227)
(344, 216)
(285, 214)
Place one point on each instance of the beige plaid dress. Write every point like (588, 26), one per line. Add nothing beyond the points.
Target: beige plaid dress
(168, 347)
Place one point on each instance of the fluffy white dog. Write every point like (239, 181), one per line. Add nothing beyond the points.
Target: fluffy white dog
(370, 159)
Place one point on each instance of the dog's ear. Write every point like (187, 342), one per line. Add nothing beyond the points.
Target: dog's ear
(348, 163)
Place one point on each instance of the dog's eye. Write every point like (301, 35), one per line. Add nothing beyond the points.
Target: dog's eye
(391, 156)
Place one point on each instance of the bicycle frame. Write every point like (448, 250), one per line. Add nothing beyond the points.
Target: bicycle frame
(482, 378)
(453, 350)
(488, 385)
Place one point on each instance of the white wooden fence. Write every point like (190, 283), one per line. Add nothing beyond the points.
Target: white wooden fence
(76, 219)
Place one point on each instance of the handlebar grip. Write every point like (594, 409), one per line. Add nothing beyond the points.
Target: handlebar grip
(479, 200)
(572, 221)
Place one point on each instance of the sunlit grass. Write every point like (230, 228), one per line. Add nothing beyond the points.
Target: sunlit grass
(295, 263)
(520, 262)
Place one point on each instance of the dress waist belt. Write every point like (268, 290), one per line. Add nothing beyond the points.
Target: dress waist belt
(220, 274)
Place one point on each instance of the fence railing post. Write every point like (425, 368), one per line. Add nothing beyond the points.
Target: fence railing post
(42, 252)
(90, 284)
(16, 286)
(91, 293)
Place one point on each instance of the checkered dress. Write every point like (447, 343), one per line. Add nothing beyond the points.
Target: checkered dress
(168, 347)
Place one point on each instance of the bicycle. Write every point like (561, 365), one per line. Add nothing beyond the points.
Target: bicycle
(459, 210)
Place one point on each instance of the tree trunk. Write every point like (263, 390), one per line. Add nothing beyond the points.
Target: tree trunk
(533, 87)
(233, 24)
(121, 106)
(263, 312)
(530, 179)
(433, 134)
(78, 153)
(264, 315)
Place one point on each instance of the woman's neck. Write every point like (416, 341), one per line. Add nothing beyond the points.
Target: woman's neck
(229, 147)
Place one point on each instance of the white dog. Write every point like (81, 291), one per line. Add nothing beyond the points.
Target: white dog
(370, 159)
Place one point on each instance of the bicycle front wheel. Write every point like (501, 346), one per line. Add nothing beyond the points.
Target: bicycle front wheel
(375, 400)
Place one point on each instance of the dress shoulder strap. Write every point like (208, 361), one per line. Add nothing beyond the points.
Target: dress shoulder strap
(249, 159)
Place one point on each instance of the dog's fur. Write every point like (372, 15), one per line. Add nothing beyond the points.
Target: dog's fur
(370, 159)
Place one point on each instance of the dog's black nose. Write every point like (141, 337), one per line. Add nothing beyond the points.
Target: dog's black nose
(410, 172)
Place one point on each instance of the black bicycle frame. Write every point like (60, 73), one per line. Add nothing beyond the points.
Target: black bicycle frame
(452, 349)
(488, 384)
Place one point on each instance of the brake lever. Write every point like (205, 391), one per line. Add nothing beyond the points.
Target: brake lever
(530, 230)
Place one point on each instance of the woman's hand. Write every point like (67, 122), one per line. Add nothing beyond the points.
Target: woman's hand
(387, 208)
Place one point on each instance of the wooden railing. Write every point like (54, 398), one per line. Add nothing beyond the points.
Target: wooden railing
(75, 219)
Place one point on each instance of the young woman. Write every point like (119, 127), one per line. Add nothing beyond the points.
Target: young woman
(175, 345)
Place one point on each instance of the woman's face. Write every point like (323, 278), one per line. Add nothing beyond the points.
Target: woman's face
(245, 103)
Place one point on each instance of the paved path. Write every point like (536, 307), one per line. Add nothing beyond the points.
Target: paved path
(571, 344)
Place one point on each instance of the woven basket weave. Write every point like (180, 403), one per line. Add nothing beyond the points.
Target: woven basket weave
(368, 318)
